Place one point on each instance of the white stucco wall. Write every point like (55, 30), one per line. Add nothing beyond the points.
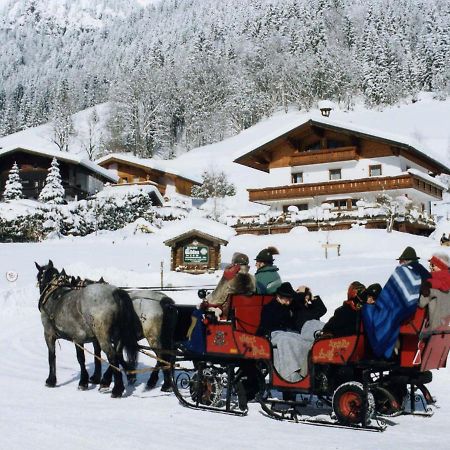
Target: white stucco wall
(350, 170)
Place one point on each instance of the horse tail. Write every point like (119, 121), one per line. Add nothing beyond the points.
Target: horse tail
(169, 323)
(128, 326)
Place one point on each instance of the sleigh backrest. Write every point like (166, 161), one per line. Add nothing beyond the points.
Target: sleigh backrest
(245, 310)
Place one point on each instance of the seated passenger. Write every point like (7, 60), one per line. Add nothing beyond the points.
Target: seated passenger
(397, 301)
(347, 318)
(436, 291)
(267, 277)
(277, 314)
(370, 294)
(306, 307)
(290, 348)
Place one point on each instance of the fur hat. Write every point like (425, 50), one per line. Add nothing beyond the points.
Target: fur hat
(440, 260)
(239, 258)
(266, 255)
(285, 290)
(409, 254)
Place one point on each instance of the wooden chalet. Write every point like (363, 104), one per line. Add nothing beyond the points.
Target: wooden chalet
(80, 177)
(132, 170)
(323, 162)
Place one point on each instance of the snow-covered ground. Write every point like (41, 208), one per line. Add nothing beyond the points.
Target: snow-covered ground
(37, 417)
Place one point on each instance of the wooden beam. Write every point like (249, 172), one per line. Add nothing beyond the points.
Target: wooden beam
(294, 143)
(319, 132)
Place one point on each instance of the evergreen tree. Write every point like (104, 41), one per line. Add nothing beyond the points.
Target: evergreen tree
(13, 187)
(53, 191)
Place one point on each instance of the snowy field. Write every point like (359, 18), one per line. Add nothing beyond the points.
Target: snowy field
(37, 417)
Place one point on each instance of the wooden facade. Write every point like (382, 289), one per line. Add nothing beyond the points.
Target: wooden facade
(195, 252)
(78, 181)
(299, 191)
(133, 172)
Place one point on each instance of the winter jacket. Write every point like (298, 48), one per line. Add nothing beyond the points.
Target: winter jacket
(267, 279)
(275, 317)
(438, 299)
(345, 321)
(303, 312)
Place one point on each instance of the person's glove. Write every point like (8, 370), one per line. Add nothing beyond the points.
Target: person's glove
(425, 288)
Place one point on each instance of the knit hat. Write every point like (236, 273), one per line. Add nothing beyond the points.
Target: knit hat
(440, 260)
(266, 255)
(285, 290)
(239, 258)
(409, 254)
(355, 290)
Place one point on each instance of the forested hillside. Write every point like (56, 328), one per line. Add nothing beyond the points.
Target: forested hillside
(182, 73)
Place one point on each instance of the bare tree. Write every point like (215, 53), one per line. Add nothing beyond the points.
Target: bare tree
(91, 138)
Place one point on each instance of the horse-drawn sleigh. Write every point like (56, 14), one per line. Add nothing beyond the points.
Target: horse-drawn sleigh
(345, 383)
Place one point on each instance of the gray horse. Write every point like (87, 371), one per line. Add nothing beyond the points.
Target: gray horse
(157, 316)
(98, 313)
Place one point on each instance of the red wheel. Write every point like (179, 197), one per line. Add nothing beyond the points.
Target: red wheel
(348, 402)
(386, 403)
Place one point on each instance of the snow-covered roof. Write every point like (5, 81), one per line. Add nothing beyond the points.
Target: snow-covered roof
(67, 157)
(315, 118)
(203, 226)
(162, 165)
(427, 178)
(124, 190)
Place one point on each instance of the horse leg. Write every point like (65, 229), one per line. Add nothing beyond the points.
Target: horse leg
(84, 376)
(50, 339)
(106, 378)
(167, 384)
(153, 380)
(114, 360)
(95, 378)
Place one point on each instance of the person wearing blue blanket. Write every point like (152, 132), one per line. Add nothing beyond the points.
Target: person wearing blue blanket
(397, 301)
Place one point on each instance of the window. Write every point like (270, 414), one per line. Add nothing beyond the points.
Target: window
(333, 143)
(335, 174)
(375, 171)
(339, 204)
(297, 177)
(314, 146)
(300, 206)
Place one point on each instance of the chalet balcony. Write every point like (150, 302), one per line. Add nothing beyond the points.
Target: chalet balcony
(324, 156)
(298, 191)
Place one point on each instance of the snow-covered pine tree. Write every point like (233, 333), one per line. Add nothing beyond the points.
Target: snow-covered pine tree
(53, 191)
(13, 187)
(52, 195)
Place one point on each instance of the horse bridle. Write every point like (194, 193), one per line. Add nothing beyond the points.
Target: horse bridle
(55, 283)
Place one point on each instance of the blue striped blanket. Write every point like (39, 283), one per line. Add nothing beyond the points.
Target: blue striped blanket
(397, 301)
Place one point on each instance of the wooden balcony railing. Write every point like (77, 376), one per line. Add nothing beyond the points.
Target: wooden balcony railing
(296, 191)
(324, 156)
